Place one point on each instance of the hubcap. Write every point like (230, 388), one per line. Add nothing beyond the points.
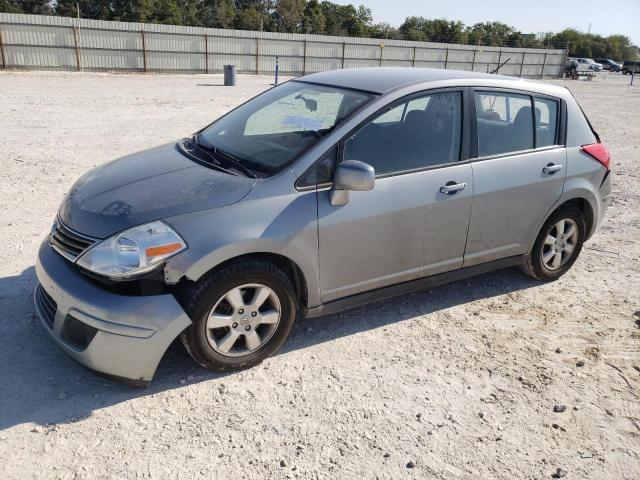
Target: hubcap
(560, 244)
(243, 320)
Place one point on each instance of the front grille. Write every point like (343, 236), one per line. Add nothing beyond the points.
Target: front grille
(46, 305)
(68, 243)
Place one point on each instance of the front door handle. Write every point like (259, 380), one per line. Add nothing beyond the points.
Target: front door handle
(551, 169)
(451, 187)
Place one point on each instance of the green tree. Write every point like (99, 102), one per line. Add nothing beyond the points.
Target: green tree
(217, 13)
(131, 10)
(314, 20)
(289, 15)
(494, 34)
(165, 11)
(94, 9)
(383, 30)
(439, 30)
(250, 19)
(345, 19)
(616, 47)
(35, 7)
(190, 12)
(10, 6)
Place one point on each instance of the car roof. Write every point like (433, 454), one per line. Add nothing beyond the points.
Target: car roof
(384, 79)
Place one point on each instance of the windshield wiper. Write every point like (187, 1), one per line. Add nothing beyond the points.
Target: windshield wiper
(227, 156)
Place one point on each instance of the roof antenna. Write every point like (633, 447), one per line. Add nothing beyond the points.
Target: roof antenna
(501, 65)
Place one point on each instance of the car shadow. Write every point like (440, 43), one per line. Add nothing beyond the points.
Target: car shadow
(40, 384)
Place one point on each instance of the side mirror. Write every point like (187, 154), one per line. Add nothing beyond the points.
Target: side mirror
(351, 175)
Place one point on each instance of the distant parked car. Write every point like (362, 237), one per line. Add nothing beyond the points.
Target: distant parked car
(608, 64)
(630, 67)
(573, 69)
(590, 63)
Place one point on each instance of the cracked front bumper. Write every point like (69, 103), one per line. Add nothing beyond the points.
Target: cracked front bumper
(117, 335)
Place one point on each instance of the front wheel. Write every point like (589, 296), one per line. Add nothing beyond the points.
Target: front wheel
(241, 314)
(557, 246)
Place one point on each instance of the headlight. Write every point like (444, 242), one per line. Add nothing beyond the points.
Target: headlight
(133, 252)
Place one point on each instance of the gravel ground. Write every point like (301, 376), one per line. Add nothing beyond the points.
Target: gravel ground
(457, 382)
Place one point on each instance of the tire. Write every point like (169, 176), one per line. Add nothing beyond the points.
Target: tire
(216, 294)
(537, 263)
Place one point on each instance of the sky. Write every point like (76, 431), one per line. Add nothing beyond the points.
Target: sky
(607, 17)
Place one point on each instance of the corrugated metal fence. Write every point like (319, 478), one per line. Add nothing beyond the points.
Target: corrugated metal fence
(44, 42)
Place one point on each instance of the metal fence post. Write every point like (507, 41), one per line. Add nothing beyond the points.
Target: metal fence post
(565, 55)
(75, 42)
(144, 50)
(446, 58)
(544, 61)
(304, 57)
(413, 62)
(381, 50)
(257, 55)
(344, 47)
(4, 61)
(499, 60)
(522, 63)
(473, 62)
(206, 53)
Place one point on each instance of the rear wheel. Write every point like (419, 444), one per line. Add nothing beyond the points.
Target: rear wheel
(241, 314)
(557, 246)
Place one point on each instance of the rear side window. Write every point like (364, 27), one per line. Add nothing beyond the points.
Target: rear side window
(504, 121)
(546, 121)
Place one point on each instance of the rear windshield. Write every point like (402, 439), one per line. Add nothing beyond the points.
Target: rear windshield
(273, 129)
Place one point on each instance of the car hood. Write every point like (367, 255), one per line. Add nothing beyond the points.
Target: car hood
(147, 186)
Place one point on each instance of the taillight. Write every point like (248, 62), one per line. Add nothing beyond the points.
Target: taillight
(600, 152)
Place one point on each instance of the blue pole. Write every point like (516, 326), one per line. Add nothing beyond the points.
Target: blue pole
(276, 81)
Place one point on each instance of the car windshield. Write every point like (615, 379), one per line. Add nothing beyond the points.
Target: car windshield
(273, 129)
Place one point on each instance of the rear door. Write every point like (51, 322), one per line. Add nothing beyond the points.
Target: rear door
(518, 171)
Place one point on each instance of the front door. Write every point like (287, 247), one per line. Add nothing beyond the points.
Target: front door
(406, 227)
(518, 176)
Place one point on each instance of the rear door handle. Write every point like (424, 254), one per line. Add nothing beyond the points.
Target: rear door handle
(451, 187)
(551, 169)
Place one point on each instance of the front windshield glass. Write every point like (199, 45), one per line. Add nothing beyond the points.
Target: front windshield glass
(268, 132)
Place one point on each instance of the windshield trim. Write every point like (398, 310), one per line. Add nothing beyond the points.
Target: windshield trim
(272, 172)
(340, 87)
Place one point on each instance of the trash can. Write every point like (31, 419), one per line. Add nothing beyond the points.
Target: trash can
(229, 75)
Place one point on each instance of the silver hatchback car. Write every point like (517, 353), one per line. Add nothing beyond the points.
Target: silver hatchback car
(329, 191)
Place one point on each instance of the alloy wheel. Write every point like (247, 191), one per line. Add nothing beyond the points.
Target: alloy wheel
(560, 243)
(243, 320)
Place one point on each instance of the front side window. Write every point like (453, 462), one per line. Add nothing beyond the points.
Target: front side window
(419, 133)
(322, 172)
(271, 130)
(504, 123)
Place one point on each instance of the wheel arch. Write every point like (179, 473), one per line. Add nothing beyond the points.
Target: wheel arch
(585, 207)
(582, 203)
(288, 266)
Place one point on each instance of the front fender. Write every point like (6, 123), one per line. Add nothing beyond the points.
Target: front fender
(283, 224)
